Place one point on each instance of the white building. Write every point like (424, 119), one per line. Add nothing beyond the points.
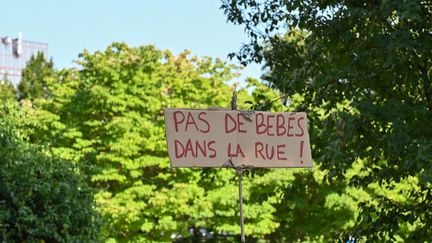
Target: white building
(14, 55)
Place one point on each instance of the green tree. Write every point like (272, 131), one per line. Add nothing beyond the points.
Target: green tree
(36, 77)
(41, 197)
(363, 69)
(7, 90)
(108, 118)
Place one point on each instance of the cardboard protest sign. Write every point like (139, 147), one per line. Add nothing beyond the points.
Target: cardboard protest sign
(208, 138)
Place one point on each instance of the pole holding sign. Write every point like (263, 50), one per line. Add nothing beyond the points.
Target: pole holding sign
(239, 171)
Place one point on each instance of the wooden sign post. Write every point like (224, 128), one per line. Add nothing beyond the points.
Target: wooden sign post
(237, 139)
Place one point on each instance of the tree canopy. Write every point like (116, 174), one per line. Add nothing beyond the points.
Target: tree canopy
(42, 198)
(108, 118)
(36, 76)
(363, 70)
(7, 90)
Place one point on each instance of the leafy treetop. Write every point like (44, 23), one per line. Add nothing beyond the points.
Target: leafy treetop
(363, 69)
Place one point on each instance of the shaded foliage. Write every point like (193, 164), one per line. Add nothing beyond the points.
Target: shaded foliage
(41, 197)
(363, 69)
(36, 77)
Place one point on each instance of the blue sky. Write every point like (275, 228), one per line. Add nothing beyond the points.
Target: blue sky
(71, 26)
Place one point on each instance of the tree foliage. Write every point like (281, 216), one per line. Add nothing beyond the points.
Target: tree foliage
(363, 69)
(41, 197)
(108, 117)
(36, 76)
(7, 90)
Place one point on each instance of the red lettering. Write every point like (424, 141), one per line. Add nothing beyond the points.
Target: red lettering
(270, 151)
(268, 124)
(205, 121)
(195, 149)
(176, 149)
(209, 145)
(230, 154)
(280, 125)
(259, 121)
(239, 117)
(258, 149)
(176, 121)
(291, 118)
(190, 121)
(269, 156)
(188, 148)
(202, 148)
(238, 152)
(226, 123)
(281, 152)
(301, 128)
(301, 150)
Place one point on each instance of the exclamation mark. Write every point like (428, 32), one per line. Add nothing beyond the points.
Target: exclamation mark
(301, 151)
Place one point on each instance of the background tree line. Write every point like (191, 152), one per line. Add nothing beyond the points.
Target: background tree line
(84, 154)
